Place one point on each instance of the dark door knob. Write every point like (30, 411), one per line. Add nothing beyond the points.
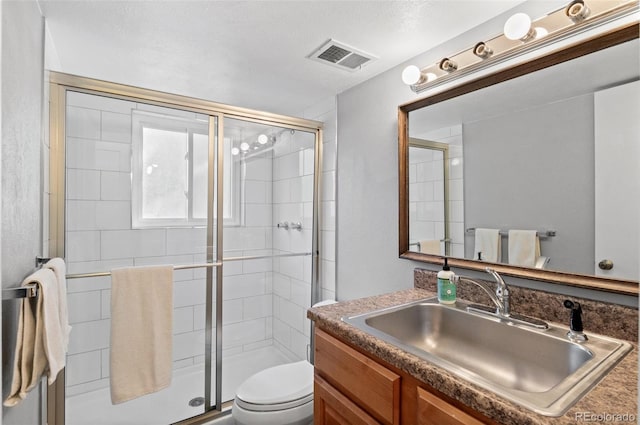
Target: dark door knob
(605, 264)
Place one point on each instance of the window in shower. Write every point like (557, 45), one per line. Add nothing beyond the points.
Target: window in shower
(170, 157)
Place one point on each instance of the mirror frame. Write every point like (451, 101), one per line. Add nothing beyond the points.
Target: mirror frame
(591, 45)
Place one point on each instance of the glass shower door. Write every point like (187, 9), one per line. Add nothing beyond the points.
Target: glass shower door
(268, 242)
(137, 194)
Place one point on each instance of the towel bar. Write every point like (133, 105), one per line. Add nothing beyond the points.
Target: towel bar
(29, 291)
(541, 233)
(196, 266)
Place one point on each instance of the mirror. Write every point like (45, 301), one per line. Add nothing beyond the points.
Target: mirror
(527, 149)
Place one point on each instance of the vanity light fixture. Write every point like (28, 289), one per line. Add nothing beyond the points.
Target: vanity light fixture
(244, 146)
(520, 36)
(235, 151)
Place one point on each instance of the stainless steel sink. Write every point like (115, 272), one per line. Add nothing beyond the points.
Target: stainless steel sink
(539, 369)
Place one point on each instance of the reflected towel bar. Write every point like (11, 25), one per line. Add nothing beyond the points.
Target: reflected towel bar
(541, 233)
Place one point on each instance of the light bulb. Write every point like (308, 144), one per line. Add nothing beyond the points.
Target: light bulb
(412, 75)
(429, 76)
(263, 139)
(244, 146)
(518, 27)
(541, 32)
(235, 151)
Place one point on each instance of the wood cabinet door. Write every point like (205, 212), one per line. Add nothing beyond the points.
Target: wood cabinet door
(364, 381)
(435, 411)
(331, 407)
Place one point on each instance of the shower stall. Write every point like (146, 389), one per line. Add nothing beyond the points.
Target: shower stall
(228, 196)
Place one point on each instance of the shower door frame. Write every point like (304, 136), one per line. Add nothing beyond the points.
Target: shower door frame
(59, 84)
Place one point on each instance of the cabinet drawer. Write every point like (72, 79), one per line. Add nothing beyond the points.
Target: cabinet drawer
(331, 407)
(372, 386)
(435, 411)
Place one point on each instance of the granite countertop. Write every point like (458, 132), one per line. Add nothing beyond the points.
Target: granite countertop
(616, 394)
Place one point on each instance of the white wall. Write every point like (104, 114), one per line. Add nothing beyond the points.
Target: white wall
(22, 110)
(367, 214)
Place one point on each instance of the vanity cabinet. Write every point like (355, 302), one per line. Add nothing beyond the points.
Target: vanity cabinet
(352, 388)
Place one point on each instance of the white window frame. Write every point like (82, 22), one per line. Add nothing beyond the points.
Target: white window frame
(144, 119)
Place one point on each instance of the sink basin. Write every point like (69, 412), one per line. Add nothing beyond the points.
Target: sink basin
(541, 370)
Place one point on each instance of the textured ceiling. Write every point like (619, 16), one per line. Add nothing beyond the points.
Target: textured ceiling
(249, 53)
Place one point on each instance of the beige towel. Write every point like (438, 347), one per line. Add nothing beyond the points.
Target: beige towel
(524, 247)
(488, 243)
(430, 246)
(39, 342)
(141, 331)
(60, 270)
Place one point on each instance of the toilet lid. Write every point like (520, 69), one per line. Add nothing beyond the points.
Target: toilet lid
(289, 384)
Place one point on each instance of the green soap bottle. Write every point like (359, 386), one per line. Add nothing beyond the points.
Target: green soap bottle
(446, 288)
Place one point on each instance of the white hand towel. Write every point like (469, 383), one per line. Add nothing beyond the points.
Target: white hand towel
(430, 246)
(524, 247)
(39, 343)
(489, 244)
(60, 270)
(141, 331)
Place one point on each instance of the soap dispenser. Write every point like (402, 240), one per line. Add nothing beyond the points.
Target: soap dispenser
(446, 287)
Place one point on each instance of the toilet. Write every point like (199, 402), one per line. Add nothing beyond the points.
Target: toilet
(279, 395)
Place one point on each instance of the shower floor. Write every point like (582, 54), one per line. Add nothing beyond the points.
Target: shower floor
(171, 404)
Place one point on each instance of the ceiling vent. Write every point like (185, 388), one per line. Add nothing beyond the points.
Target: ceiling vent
(341, 56)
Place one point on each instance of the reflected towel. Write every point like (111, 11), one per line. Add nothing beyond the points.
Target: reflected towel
(60, 270)
(141, 331)
(488, 243)
(39, 342)
(524, 247)
(430, 246)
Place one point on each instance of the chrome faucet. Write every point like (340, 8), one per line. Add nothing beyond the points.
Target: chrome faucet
(500, 298)
(501, 295)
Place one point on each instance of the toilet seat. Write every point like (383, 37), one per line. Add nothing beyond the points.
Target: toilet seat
(277, 388)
